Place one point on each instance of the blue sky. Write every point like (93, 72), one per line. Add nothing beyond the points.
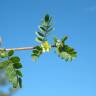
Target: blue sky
(50, 76)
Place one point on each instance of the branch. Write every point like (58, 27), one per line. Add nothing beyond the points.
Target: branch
(22, 48)
(18, 49)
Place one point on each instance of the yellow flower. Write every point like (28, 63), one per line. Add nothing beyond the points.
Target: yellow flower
(45, 46)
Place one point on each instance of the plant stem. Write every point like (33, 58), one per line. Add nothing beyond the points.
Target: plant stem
(18, 49)
(21, 48)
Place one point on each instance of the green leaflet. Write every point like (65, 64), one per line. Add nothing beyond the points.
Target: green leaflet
(19, 73)
(55, 40)
(50, 29)
(64, 39)
(47, 18)
(20, 82)
(11, 52)
(3, 54)
(15, 59)
(38, 39)
(40, 34)
(42, 29)
(17, 65)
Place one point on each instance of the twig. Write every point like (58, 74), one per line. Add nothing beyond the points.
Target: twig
(18, 49)
(21, 48)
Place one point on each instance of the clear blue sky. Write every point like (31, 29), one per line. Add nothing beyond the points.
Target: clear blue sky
(50, 76)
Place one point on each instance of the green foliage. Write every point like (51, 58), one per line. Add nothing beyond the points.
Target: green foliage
(11, 73)
(4, 64)
(36, 52)
(20, 82)
(3, 53)
(15, 59)
(18, 72)
(64, 51)
(17, 65)
(11, 52)
(44, 28)
(12, 66)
